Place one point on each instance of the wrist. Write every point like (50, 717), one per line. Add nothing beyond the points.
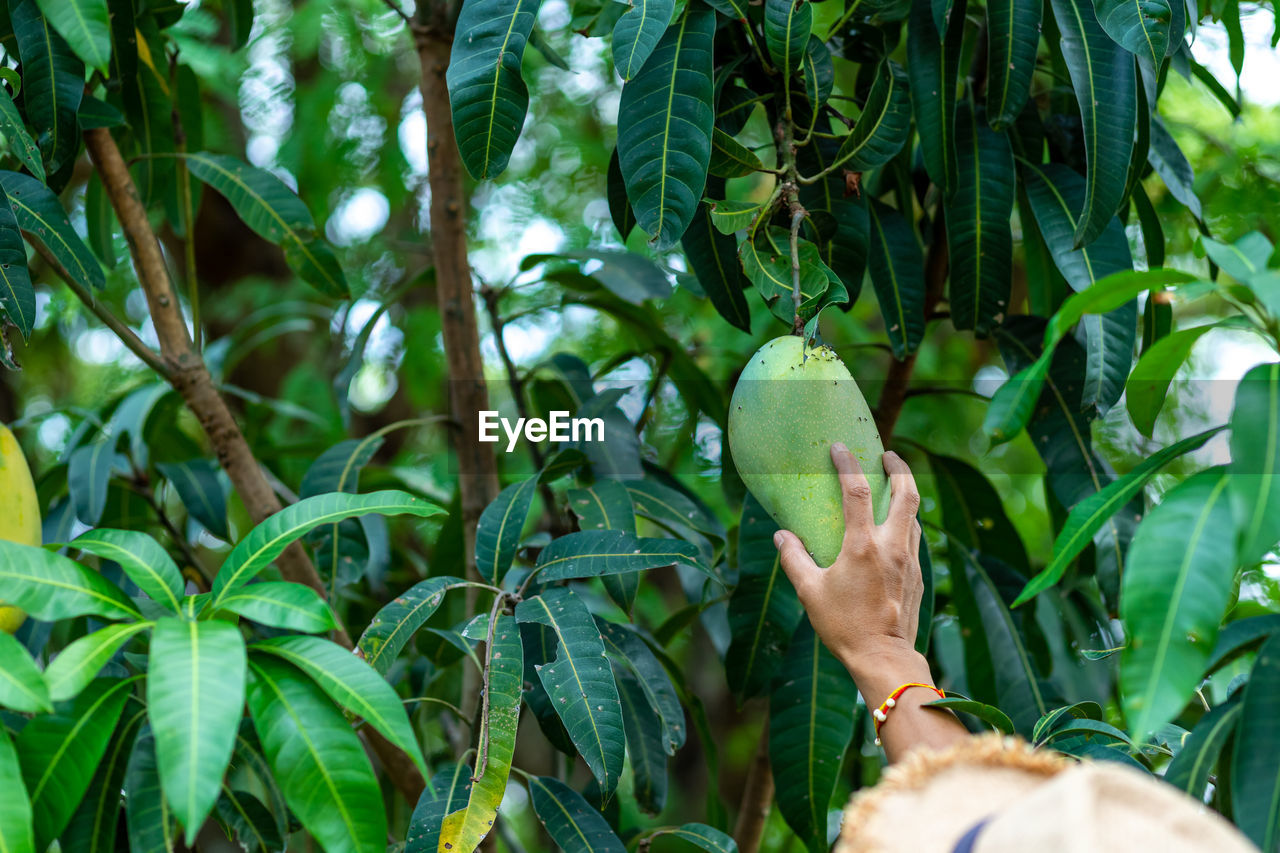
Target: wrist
(880, 669)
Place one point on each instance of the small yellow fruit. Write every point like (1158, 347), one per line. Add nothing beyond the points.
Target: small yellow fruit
(19, 512)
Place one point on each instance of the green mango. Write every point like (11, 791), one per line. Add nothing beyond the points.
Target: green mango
(791, 403)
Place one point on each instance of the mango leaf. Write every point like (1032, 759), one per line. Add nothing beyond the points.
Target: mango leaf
(1140, 28)
(897, 273)
(674, 508)
(82, 660)
(624, 218)
(52, 588)
(763, 610)
(1189, 770)
(1240, 636)
(147, 815)
(195, 696)
(22, 685)
(282, 604)
(447, 792)
(1255, 461)
(972, 512)
(630, 648)
(249, 821)
(571, 822)
(592, 553)
(730, 158)
(713, 257)
(1255, 764)
(466, 828)
(844, 252)
(606, 505)
(1088, 516)
(1148, 383)
(397, 622)
(1177, 583)
(317, 759)
(17, 296)
(818, 71)
(21, 145)
(352, 683)
(487, 95)
(540, 646)
(1242, 260)
(978, 233)
(882, 128)
(580, 682)
(16, 833)
(1013, 37)
(989, 714)
(787, 25)
(40, 214)
(644, 745)
(269, 539)
(1171, 164)
(729, 217)
(701, 836)
(665, 119)
(142, 558)
(1103, 78)
(276, 213)
(201, 491)
(636, 34)
(1011, 406)
(499, 529)
(84, 24)
(146, 99)
(93, 826)
(933, 66)
(88, 475)
(810, 726)
(59, 753)
(53, 83)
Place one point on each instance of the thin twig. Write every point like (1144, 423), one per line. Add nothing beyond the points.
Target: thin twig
(482, 757)
(403, 16)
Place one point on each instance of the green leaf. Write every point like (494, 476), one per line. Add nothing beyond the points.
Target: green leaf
(142, 558)
(933, 67)
(16, 834)
(730, 158)
(883, 126)
(40, 214)
(93, 826)
(701, 836)
(499, 529)
(195, 696)
(624, 218)
(1240, 636)
(675, 508)
(1103, 78)
(81, 661)
(1190, 768)
(486, 92)
(636, 34)
(1242, 260)
(1177, 583)
(810, 726)
(353, 684)
(22, 685)
(53, 83)
(317, 760)
(606, 505)
(59, 753)
(1088, 516)
(466, 828)
(1013, 37)
(979, 237)
(201, 491)
(249, 821)
(1148, 383)
(447, 793)
(570, 821)
(274, 212)
(787, 25)
(239, 22)
(763, 610)
(1172, 166)
(713, 256)
(1139, 26)
(88, 475)
(897, 273)
(396, 623)
(17, 296)
(269, 539)
(150, 822)
(989, 714)
(972, 512)
(51, 587)
(147, 102)
(85, 26)
(281, 604)
(730, 217)
(629, 647)
(21, 145)
(1255, 461)
(846, 250)
(665, 119)
(592, 553)
(1255, 764)
(1088, 728)
(580, 682)
(644, 745)
(818, 71)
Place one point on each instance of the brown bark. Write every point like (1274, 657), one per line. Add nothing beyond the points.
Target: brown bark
(757, 797)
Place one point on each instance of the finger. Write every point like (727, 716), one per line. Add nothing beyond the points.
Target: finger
(916, 533)
(859, 519)
(801, 570)
(905, 500)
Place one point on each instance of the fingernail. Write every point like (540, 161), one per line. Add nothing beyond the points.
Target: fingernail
(777, 539)
(839, 447)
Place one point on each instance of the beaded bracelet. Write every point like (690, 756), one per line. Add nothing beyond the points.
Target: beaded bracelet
(879, 715)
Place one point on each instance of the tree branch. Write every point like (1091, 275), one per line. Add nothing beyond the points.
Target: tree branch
(757, 797)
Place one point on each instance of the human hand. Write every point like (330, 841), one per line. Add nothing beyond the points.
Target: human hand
(865, 606)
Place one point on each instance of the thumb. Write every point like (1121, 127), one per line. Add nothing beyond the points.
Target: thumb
(800, 568)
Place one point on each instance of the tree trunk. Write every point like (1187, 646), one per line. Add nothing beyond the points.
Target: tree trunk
(757, 797)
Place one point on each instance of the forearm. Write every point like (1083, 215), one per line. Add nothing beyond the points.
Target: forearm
(909, 724)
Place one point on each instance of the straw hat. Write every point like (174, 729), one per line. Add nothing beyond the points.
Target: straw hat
(992, 794)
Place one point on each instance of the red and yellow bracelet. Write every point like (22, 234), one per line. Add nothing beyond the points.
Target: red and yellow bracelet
(879, 715)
